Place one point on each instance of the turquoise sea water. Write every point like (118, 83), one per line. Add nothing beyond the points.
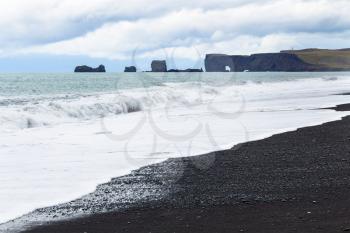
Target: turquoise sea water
(25, 84)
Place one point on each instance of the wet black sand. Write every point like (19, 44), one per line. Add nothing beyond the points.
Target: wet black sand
(292, 182)
(342, 107)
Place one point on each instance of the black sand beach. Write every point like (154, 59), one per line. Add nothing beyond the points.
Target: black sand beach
(292, 182)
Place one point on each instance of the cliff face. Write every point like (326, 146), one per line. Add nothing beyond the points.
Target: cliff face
(257, 63)
(278, 62)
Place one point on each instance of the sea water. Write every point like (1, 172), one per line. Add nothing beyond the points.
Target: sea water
(63, 134)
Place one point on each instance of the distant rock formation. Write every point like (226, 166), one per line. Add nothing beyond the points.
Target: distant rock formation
(257, 63)
(219, 63)
(88, 69)
(325, 59)
(159, 66)
(287, 60)
(130, 69)
(187, 70)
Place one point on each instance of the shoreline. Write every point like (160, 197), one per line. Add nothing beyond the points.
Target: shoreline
(202, 183)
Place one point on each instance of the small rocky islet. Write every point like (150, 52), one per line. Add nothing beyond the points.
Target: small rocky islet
(88, 69)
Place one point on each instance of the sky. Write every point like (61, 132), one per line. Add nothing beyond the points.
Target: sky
(57, 35)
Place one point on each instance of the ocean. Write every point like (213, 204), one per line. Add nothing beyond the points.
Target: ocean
(63, 134)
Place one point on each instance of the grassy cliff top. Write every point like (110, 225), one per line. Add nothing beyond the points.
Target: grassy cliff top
(330, 59)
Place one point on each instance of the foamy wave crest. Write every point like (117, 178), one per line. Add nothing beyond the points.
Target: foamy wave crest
(33, 113)
(39, 111)
(54, 112)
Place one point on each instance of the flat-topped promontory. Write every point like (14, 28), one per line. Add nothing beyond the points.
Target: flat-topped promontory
(285, 61)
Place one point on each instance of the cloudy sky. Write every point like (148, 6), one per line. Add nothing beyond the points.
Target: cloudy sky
(56, 35)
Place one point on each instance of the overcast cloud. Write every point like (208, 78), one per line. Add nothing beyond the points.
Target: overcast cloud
(184, 29)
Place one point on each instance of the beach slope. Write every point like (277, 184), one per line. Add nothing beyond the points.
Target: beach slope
(292, 182)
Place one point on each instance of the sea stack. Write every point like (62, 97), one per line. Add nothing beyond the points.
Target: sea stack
(88, 69)
(159, 66)
(130, 69)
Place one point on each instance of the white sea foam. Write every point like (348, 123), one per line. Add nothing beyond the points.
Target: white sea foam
(38, 112)
(27, 113)
(56, 148)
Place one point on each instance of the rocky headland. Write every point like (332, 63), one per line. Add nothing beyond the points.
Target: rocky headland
(285, 61)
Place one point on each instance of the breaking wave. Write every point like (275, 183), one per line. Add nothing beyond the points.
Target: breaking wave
(39, 111)
(30, 113)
